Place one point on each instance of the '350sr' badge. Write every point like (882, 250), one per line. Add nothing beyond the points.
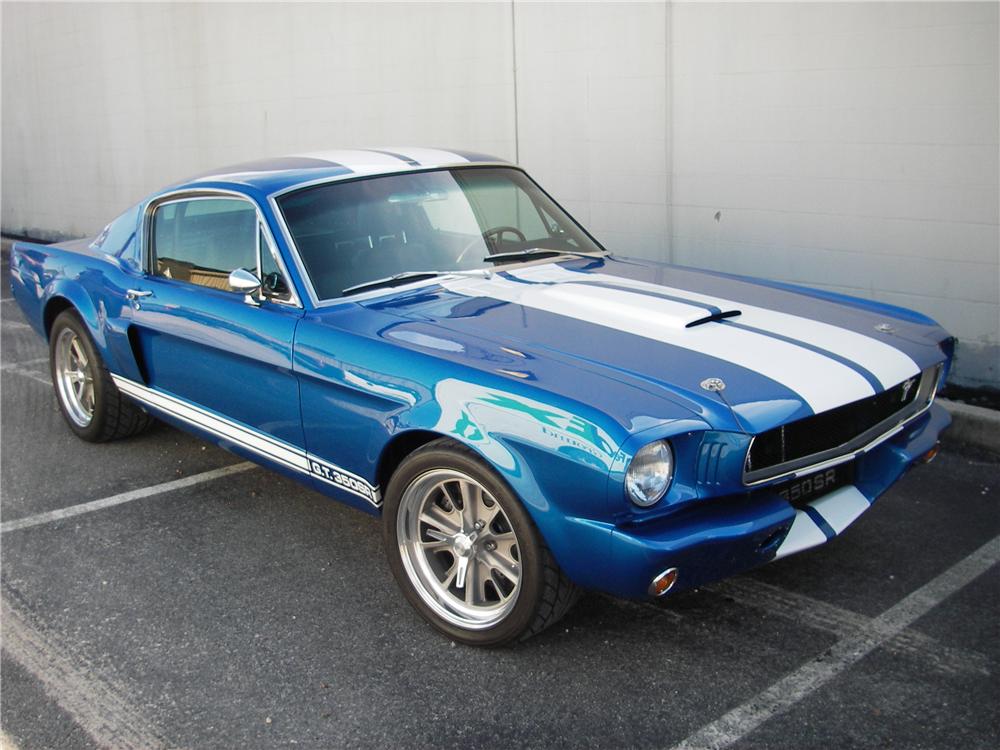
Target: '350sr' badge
(814, 485)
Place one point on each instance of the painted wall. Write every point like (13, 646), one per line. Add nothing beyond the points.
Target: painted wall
(848, 146)
(592, 116)
(851, 146)
(104, 103)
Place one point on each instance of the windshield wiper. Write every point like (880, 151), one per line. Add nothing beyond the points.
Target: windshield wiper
(397, 279)
(538, 252)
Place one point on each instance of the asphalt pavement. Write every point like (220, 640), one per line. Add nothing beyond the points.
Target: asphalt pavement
(150, 598)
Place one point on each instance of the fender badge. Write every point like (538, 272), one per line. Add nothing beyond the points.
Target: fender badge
(713, 384)
(885, 328)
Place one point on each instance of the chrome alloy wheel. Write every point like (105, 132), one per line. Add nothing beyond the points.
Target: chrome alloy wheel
(74, 377)
(459, 549)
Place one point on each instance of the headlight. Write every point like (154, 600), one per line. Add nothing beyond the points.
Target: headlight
(649, 474)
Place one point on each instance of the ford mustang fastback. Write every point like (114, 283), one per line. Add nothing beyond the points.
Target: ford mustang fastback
(428, 336)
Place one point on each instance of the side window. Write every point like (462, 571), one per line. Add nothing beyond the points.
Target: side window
(202, 240)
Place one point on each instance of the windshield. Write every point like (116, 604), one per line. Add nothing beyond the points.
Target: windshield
(350, 233)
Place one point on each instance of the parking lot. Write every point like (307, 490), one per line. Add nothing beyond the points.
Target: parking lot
(157, 592)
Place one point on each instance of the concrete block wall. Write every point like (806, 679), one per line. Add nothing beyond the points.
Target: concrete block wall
(592, 115)
(103, 103)
(851, 146)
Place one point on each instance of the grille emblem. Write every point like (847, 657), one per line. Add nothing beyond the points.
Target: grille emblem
(713, 384)
(884, 328)
(906, 388)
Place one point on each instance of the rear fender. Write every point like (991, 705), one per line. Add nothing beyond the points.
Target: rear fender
(62, 294)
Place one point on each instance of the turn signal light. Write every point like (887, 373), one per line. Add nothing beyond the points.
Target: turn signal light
(663, 582)
(931, 454)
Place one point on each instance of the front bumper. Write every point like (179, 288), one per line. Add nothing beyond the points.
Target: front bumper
(722, 537)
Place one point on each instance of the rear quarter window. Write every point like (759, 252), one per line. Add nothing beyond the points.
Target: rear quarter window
(118, 236)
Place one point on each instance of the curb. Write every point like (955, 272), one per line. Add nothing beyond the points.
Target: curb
(973, 424)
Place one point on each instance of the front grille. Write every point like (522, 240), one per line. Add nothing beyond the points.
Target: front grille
(849, 427)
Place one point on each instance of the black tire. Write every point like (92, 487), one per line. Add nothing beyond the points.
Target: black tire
(545, 594)
(113, 415)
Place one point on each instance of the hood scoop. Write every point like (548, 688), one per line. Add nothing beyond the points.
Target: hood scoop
(716, 316)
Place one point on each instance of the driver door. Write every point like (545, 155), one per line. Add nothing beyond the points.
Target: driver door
(204, 344)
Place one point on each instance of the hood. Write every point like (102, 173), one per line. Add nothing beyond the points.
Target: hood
(585, 328)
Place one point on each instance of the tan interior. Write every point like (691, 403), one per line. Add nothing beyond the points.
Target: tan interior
(176, 269)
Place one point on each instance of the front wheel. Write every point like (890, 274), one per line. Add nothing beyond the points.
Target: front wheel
(465, 552)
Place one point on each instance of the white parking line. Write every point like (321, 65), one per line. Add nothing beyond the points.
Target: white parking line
(25, 363)
(17, 368)
(811, 676)
(124, 497)
(813, 613)
(97, 703)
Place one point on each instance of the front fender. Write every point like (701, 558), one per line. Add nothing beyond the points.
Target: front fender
(555, 460)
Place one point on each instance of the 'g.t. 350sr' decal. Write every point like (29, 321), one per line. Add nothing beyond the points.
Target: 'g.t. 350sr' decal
(260, 443)
(337, 476)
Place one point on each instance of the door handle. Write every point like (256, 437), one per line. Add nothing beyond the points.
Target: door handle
(134, 295)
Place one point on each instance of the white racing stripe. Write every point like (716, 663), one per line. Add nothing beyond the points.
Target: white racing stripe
(428, 157)
(887, 363)
(841, 507)
(822, 382)
(803, 535)
(361, 162)
(266, 446)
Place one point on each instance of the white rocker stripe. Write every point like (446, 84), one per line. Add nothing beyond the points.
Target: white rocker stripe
(839, 509)
(821, 381)
(887, 363)
(246, 437)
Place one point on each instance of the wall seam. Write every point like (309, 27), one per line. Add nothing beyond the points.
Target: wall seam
(668, 121)
(513, 52)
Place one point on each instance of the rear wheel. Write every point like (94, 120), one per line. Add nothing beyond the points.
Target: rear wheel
(90, 402)
(465, 552)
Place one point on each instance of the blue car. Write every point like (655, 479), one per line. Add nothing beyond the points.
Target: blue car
(428, 336)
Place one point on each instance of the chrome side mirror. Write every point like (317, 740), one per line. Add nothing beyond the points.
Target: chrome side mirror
(241, 280)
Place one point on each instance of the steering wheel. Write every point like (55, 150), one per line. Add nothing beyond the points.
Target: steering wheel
(492, 237)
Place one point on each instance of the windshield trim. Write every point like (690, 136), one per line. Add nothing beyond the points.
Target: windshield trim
(300, 268)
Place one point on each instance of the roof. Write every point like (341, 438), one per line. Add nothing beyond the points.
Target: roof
(271, 175)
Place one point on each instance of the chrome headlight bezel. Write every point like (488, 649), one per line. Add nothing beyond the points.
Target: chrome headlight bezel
(650, 473)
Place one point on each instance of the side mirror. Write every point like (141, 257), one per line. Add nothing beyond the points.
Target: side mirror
(241, 280)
